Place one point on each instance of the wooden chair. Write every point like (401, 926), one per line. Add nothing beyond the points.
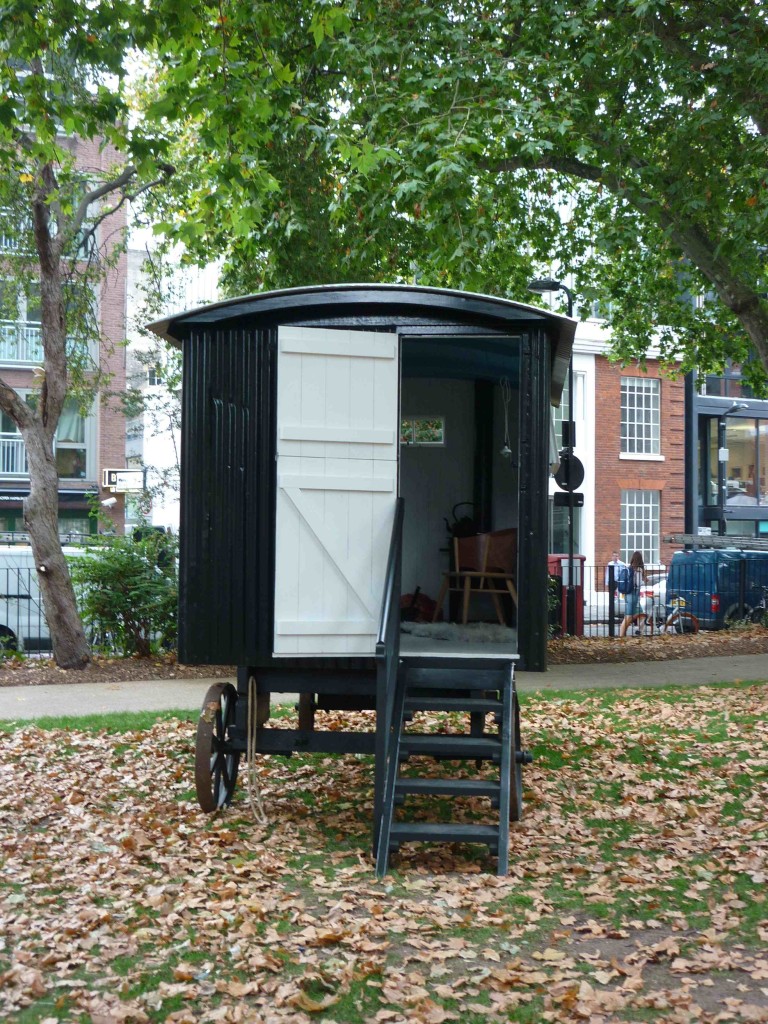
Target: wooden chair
(485, 564)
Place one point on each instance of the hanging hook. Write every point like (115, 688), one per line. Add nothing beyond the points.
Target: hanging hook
(506, 396)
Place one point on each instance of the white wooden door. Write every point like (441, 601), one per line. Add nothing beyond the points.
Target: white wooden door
(337, 447)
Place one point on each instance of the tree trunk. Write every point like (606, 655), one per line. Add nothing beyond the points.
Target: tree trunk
(70, 648)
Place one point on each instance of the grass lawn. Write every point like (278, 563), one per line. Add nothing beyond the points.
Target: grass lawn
(637, 890)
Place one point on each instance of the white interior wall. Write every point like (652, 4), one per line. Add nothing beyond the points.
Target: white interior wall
(433, 480)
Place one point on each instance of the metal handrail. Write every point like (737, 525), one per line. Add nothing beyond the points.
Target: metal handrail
(392, 578)
(387, 666)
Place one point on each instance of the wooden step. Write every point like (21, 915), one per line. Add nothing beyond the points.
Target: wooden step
(443, 832)
(451, 747)
(457, 664)
(483, 705)
(453, 678)
(447, 787)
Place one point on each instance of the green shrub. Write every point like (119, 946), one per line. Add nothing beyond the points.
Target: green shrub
(554, 605)
(127, 593)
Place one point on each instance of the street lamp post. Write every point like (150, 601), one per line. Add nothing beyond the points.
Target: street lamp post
(541, 286)
(722, 462)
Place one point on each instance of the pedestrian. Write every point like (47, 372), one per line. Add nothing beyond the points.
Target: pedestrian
(632, 597)
(617, 563)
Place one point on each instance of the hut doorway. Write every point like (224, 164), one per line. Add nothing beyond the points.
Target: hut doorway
(458, 474)
(365, 416)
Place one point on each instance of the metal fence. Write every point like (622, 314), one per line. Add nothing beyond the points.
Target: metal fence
(23, 625)
(22, 621)
(718, 587)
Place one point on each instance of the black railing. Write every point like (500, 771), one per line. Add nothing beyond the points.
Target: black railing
(387, 663)
(22, 621)
(719, 587)
(23, 625)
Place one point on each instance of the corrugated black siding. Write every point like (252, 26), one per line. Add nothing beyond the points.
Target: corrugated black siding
(226, 497)
(534, 497)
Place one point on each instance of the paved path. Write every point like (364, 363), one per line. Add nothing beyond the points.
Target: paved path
(683, 672)
(28, 702)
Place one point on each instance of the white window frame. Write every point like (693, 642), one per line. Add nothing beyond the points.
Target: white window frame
(12, 243)
(21, 340)
(641, 418)
(413, 420)
(640, 524)
(13, 453)
(560, 413)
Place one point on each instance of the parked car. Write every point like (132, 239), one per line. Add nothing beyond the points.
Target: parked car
(597, 606)
(718, 586)
(22, 620)
(597, 603)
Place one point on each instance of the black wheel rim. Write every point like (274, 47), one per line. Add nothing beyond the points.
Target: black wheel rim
(216, 763)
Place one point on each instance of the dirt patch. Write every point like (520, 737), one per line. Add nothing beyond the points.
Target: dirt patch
(705, 644)
(36, 672)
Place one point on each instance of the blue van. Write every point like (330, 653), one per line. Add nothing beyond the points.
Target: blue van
(715, 584)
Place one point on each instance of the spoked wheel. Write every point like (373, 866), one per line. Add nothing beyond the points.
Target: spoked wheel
(682, 622)
(637, 624)
(736, 614)
(8, 639)
(215, 764)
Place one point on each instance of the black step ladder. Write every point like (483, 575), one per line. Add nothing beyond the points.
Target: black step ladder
(476, 687)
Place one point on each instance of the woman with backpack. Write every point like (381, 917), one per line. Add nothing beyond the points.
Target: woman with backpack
(632, 596)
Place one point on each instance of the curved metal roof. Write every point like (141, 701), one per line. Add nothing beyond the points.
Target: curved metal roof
(402, 304)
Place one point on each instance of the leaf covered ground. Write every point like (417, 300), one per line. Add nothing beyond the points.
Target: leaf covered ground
(637, 890)
(723, 643)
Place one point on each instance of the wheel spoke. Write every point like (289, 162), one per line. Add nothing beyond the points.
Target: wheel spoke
(216, 763)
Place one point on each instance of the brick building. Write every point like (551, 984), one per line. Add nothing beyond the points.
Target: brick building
(639, 461)
(630, 437)
(85, 444)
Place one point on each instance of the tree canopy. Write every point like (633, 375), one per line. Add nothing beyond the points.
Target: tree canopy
(622, 142)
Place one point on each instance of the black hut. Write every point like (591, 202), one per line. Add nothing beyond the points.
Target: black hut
(332, 437)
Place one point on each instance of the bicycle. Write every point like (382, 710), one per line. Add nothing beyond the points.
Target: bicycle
(759, 613)
(676, 622)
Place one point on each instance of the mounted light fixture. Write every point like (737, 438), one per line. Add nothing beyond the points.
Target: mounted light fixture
(736, 407)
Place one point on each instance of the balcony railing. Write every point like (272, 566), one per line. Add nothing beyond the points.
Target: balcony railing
(9, 243)
(20, 343)
(13, 457)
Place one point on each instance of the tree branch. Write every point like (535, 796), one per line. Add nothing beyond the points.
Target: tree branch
(13, 405)
(741, 299)
(670, 32)
(48, 248)
(95, 194)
